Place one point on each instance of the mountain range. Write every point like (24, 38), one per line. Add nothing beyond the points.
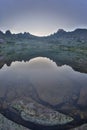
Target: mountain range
(77, 33)
(63, 47)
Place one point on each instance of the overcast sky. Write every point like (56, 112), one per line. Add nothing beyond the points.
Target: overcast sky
(42, 17)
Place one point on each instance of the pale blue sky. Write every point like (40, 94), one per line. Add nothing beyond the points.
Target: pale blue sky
(42, 17)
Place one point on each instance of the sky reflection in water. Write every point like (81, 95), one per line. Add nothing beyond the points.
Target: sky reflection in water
(51, 82)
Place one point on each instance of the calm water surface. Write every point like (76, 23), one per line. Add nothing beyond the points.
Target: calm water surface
(54, 84)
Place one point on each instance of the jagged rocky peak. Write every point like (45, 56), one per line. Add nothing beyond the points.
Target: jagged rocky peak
(8, 32)
(61, 31)
(26, 34)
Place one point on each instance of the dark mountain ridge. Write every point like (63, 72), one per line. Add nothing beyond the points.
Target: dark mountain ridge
(60, 33)
(63, 47)
(78, 33)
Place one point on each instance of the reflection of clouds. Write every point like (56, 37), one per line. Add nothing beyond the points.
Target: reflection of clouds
(44, 70)
(52, 82)
(35, 63)
(41, 66)
(42, 63)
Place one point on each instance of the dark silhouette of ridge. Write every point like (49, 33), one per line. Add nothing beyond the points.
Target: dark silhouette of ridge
(60, 32)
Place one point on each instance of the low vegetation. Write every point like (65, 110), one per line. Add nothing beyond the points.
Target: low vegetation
(63, 47)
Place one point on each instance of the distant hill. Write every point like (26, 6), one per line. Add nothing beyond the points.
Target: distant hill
(60, 33)
(8, 34)
(78, 36)
(78, 33)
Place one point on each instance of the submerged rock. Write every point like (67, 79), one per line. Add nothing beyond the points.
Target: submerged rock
(40, 114)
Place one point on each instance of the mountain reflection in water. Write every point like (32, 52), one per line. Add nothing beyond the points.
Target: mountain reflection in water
(52, 82)
(42, 80)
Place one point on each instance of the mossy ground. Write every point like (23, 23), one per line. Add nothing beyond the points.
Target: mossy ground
(73, 53)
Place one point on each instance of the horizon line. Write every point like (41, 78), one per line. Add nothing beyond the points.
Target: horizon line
(60, 29)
